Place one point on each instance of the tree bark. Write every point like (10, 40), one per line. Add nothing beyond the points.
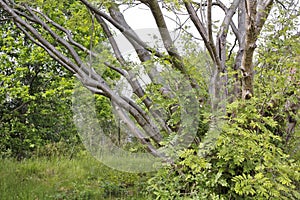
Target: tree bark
(256, 14)
(251, 17)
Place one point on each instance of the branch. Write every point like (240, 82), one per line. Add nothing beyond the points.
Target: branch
(89, 78)
(176, 59)
(57, 37)
(84, 72)
(200, 27)
(263, 10)
(67, 32)
(150, 128)
(142, 53)
(121, 28)
(222, 34)
(5, 19)
(111, 40)
(231, 50)
(137, 133)
(131, 78)
(48, 50)
(20, 106)
(42, 42)
(232, 25)
(209, 29)
(133, 82)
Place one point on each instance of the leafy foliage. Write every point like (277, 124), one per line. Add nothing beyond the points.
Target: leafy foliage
(248, 162)
(255, 156)
(82, 177)
(35, 108)
(35, 97)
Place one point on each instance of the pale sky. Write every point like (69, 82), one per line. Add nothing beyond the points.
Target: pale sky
(140, 17)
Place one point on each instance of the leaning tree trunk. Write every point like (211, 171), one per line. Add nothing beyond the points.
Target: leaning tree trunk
(252, 15)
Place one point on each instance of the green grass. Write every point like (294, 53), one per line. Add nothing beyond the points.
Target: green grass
(82, 177)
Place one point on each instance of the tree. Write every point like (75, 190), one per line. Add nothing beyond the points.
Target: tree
(36, 94)
(59, 42)
(242, 164)
(35, 97)
(252, 144)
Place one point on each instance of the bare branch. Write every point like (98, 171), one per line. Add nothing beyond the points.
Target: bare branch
(44, 43)
(209, 29)
(195, 19)
(142, 53)
(263, 10)
(231, 50)
(58, 59)
(67, 32)
(131, 78)
(176, 59)
(120, 71)
(232, 25)
(57, 37)
(222, 34)
(150, 128)
(121, 28)
(88, 77)
(112, 41)
(137, 133)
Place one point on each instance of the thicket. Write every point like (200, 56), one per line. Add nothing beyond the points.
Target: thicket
(252, 154)
(256, 155)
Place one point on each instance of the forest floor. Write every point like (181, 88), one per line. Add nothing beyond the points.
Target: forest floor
(81, 177)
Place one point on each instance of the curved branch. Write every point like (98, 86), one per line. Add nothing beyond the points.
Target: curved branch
(201, 28)
(165, 35)
(131, 78)
(222, 34)
(48, 50)
(137, 133)
(232, 25)
(88, 77)
(210, 32)
(121, 28)
(57, 37)
(67, 32)
(111, 40)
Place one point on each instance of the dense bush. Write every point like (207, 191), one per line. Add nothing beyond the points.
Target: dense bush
(248, 162)
(256, 155)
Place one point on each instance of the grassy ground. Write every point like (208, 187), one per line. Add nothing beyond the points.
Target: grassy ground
(82, 177)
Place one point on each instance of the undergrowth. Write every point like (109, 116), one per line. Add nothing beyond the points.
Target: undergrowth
(59, 177)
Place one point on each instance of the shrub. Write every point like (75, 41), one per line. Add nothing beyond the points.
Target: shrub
(248, 161)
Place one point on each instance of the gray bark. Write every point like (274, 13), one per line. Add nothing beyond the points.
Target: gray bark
(251, 18)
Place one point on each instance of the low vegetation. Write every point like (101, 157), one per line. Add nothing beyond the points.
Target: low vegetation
(60, 177)
(238, 97)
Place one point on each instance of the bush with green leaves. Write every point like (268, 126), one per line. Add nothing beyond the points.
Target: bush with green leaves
(35, 97)
(248, 161)
(256, 155)
(35, 90)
